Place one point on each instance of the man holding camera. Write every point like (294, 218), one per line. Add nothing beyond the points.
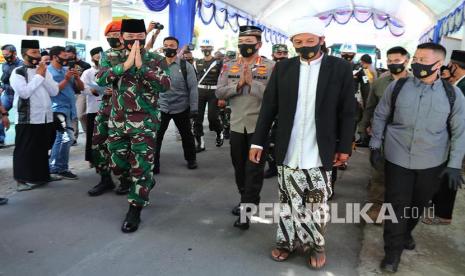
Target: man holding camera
(33, 87)
(64, 108)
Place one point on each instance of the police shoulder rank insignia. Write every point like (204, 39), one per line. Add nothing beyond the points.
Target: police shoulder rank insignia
(261, 70)
(235, 69)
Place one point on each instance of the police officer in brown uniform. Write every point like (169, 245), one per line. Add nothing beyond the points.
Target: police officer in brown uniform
(243, 82)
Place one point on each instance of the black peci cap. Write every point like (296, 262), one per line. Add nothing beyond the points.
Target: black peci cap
(250, 30)
(458, 55)
(133, 26)
(29, 44)
(95, 51)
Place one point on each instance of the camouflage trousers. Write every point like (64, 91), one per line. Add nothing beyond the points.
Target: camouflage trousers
(134, 153)
(225, 117)
(100, 153)
(303, 212)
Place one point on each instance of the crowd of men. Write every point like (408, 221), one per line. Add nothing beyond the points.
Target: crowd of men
(300, 114)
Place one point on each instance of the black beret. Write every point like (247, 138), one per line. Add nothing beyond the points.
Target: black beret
(29, 44)
(133, 26)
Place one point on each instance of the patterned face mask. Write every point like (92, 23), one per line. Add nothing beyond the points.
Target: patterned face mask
(247, 50)
(422, 71)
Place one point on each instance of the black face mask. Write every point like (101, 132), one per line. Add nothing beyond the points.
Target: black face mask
(190, 60)
(206, 52)
(62, 61)
(452, 70)
(348, 57)
(422, 71)
(9, 58)
(279, 59)
(170, 52)
(247, 50)
(396, 68)
(33, 60)
(130, 42)
(114, 42)
(308, 52)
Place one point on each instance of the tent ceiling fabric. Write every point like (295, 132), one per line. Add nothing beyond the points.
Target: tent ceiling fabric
(279, 13)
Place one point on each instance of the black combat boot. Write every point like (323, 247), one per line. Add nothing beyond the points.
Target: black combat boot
(105, 184)
(124, 186)
(132, 220)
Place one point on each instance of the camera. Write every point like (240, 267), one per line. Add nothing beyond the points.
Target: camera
(158, 26)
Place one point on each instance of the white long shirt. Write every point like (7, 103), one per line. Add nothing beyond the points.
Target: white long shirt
(88, 78)
(38, 90)
(303, 152)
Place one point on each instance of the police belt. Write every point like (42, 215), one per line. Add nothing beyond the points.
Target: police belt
(209, 87)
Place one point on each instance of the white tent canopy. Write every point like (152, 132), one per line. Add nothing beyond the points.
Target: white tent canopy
(415, 16)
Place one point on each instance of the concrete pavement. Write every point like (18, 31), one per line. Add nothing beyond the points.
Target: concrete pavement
(187, 230)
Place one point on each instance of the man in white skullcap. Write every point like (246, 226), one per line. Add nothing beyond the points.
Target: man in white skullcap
(312, 97)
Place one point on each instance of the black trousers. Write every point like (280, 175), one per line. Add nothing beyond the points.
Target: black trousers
(183, 123)
(409, 192)
(444, 201)
(30, 155)
(207, 97)
(249, 176)
(89, 133)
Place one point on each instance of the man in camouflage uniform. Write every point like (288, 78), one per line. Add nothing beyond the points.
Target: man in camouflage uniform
(101, 156)
(134, 116)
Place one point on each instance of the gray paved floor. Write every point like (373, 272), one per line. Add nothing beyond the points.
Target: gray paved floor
(59, 230)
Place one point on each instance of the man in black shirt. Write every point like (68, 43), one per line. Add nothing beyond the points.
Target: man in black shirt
(80, 66)
(208, 70)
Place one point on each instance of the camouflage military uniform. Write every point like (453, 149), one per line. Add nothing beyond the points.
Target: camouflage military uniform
(134, 119)
(100, 153)
(225, 117)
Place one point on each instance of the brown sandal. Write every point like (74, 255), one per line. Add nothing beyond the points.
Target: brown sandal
(317, 256)
(283, 254)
